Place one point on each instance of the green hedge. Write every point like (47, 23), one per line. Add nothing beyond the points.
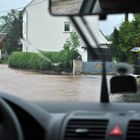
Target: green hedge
(43, 60)
(27, 60)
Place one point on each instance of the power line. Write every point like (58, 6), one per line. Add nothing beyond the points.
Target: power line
(20, 8)
(6, 11)
(37, 3)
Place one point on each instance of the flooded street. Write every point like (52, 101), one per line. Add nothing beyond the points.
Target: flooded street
(37, 86)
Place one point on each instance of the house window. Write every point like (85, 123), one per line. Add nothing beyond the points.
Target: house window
(67, 27)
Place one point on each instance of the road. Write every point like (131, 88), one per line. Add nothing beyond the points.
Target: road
(37, 86)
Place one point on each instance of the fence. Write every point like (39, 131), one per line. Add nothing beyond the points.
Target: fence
(96, 67)
(90, 67)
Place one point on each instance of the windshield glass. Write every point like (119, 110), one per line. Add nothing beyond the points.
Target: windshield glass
(43, 58)
(123, 33)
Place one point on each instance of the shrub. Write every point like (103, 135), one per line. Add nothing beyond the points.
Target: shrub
(53, 56)
(27, 60)
(67, 57)
(70, 52)
(44, 60)
(48, 60)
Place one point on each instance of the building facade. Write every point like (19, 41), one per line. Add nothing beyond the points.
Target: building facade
(42, 31)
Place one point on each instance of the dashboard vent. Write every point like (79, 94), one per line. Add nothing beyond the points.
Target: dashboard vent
(85, 129)
(133, 130)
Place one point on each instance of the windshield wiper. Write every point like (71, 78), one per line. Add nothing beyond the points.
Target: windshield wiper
(104, 98)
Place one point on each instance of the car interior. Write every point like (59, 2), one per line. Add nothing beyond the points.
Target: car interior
(104, 120)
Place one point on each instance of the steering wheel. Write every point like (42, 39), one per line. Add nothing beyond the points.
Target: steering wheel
(9, 125)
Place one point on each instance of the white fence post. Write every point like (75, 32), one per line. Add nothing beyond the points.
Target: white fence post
(77, 67)
(0, 54)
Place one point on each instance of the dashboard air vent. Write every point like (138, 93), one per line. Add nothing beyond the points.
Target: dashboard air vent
(133, 131)
(85, 129)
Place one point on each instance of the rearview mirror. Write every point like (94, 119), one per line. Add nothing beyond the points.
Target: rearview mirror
(92, 7)
(123, 84)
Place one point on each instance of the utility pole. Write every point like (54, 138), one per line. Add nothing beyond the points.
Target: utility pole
(126, 17)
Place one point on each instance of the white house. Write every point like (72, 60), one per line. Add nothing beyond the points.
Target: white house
(42, 31)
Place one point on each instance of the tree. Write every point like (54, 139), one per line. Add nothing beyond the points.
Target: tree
(70, 51)
(74, 40)
(125, 38)
(12, 25)
(115, 41)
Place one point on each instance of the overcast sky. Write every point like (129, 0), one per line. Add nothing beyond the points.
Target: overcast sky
(106, 26)
(6, 5)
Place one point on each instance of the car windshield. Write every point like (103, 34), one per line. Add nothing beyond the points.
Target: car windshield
(43, 58)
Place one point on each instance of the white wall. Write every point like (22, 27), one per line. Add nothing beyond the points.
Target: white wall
(24, 32)
(44, 32)
(41, 31)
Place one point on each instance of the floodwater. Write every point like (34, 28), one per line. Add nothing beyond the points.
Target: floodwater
(42, 87)
(37, 86)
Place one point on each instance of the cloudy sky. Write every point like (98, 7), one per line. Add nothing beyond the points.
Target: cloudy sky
(107, 26)
(6, 5)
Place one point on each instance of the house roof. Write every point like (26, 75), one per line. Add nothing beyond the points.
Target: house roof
(103, 39)
(2, 38)
(28, 5)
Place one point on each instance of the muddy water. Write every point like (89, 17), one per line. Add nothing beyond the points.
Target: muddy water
(37, 86)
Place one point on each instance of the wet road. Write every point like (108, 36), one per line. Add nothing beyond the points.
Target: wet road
(37, 86)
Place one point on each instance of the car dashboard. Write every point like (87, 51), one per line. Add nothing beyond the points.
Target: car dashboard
(76, 121)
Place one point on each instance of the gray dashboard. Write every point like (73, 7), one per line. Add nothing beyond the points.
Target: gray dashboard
(76, 121)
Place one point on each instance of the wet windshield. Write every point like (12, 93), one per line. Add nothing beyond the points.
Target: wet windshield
(122, 32)
(44, 58)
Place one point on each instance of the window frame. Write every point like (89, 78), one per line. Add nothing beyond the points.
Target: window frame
(65, 24)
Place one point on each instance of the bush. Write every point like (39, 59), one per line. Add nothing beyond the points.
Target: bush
(43, 60)
(48, 60)
(27, 60)
(53, 56)
(67, 57)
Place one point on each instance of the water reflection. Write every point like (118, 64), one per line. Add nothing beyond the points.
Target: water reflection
(130, 98)
(37, 86)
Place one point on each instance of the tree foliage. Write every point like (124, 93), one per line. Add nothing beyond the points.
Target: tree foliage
(70, 51)
(12, 25)
(73, 43)
(126, 37)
